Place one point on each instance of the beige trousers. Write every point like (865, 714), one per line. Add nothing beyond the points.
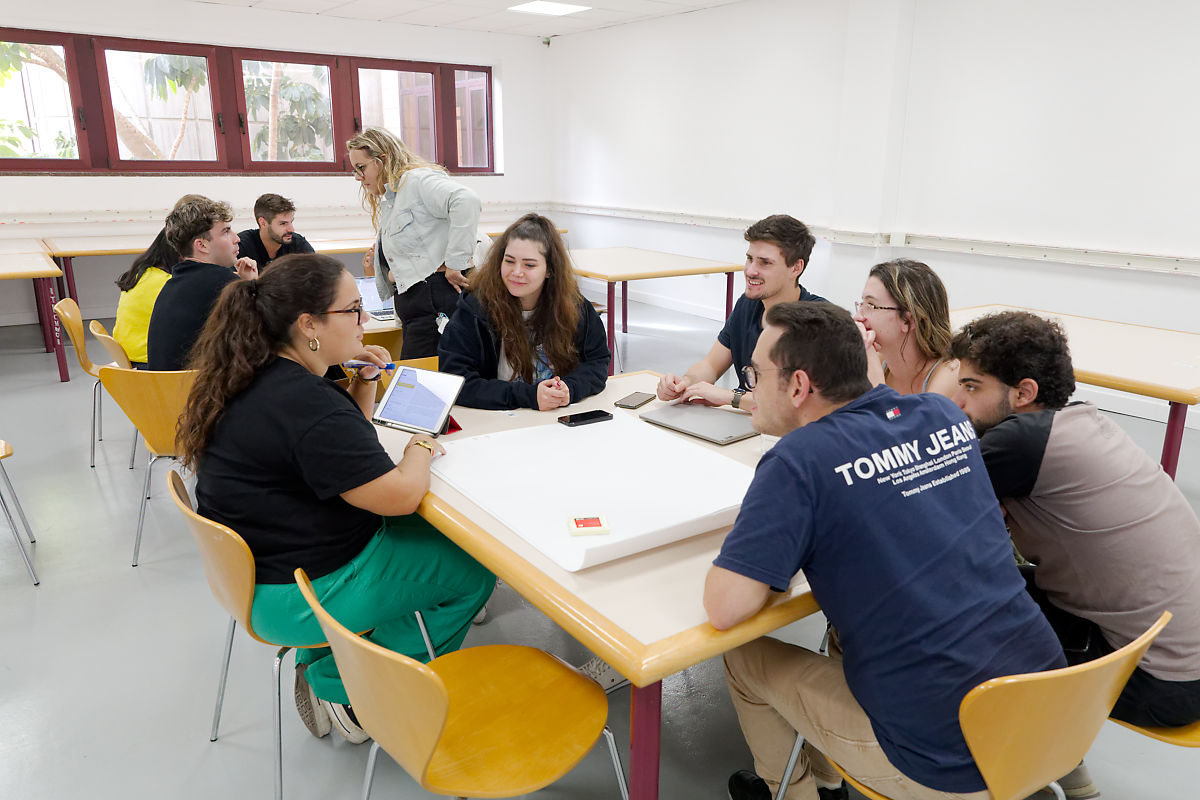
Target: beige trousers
(778, 690)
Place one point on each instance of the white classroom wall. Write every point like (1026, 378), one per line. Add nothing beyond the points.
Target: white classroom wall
(1064, 124)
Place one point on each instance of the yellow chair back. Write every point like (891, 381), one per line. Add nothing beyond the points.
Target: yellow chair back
(401, 702)
(153, 402)
(67, 311)
(115, 351)
(1028, 730)
(228, 562)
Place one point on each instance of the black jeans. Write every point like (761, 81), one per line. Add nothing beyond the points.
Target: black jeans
(1146, 700)
(417, 310)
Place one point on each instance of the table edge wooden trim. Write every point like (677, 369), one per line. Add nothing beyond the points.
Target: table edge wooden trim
(682, 272)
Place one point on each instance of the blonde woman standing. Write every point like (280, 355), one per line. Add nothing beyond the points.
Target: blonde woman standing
(426, 225)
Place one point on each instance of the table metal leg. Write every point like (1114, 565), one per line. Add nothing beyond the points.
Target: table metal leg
(45, 314)
(1174, 438)
(728, 294)
(44, 288)
(624, 306)
(612, 325)
(645, 730)
(65, 264)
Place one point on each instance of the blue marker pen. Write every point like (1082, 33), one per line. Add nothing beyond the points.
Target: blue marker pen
(361, 364)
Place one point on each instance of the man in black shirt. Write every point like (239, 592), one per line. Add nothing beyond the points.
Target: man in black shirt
(275, 235)
(200, 230)
(778, 253)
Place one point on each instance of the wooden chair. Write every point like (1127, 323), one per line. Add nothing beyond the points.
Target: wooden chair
(119, 359)
(1026, 731)
(153, 401)
(68, 315)
(490, 721)
(229, 568)
(6, 451)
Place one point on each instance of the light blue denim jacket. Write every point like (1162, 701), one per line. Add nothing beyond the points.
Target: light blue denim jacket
(429, 220)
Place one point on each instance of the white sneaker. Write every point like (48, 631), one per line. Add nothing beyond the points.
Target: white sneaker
(309, 707)
(603, 673)
(344, 722)
(480, 617)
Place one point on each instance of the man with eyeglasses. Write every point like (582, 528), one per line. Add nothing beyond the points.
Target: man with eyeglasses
(882, 500)
(1114, 541)
(201, 231)
(779, 250)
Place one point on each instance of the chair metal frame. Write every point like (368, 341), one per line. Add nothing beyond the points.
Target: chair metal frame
(119, 359)
(6, 451)
(236, 596)
(153, 401)
(69, 315)
(1088, 691)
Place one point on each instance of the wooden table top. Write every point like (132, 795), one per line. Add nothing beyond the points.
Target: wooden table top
(14, 266)
(643, 613)
(612, 264)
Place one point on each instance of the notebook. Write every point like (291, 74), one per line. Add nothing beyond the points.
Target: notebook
(378, 309)
(712, 424)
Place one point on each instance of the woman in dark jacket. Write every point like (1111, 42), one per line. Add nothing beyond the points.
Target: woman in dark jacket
(525, 337)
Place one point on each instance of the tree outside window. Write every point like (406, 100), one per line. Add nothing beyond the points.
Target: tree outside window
(36, 118)
(289, 110)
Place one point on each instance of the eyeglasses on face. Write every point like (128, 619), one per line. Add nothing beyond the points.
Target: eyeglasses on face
(751, 374)
(860, 305)
(356, 309)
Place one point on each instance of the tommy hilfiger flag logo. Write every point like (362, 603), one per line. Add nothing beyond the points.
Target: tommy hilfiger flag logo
(892, 413)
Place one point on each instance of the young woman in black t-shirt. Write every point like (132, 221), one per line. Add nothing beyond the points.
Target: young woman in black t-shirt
(291, 462)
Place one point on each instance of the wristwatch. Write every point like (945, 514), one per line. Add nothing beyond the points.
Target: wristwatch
(424, 444)
(738, 393)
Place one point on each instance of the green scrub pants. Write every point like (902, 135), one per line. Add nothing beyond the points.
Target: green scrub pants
(407, 566)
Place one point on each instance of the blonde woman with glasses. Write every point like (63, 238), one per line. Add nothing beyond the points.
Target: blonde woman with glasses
(904, 318)
(426, 232)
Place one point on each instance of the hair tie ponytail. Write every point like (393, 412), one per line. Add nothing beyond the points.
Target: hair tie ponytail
(254, 288)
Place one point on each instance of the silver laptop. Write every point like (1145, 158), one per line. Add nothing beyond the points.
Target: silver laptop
(712, 424)
(378, 309)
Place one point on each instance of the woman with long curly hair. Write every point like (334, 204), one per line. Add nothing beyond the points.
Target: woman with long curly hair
(904, 317)
(291, 462)
(426, 227)
(524, 336)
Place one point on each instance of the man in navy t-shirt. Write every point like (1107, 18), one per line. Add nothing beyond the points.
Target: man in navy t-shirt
(884, 502)
(778, 253)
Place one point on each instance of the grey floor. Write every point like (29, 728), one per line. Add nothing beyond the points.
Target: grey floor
(108, 673)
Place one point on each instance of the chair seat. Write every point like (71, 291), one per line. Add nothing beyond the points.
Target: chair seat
(5, 449)
(519, 720)
(1186, 736)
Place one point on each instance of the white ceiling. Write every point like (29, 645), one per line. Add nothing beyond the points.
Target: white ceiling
(486, 15)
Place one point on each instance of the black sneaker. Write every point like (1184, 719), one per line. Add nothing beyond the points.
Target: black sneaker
(840, 793)
(746, 785)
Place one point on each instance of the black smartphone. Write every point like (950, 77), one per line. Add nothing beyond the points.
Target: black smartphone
(635, 400)
(584, 418)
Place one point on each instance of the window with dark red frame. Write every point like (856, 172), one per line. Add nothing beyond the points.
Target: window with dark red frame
(76, 103)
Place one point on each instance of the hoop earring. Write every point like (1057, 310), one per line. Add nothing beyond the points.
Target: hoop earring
(314, 344)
